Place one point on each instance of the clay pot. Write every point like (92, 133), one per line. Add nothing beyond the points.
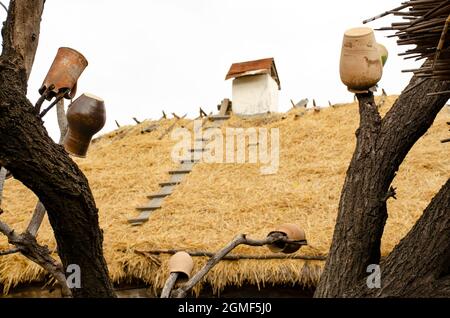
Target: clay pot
(360, 66)
(86, 117)
(181, 263)
(383, 52)
(292, 232)
(64, 73)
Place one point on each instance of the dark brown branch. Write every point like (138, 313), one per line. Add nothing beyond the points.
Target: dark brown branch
(43, 97)
(4, 7)
(28, 246)
(382, 145)
(419, 266)
(43, 166)
(203, 113)
(392, 193)
(58, 98)
(426, 248)
(9, 252)
(385, 14)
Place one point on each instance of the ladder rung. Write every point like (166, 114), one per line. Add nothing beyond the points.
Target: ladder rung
(168, 184)
(181, 171)
(158, 195)
(147, 208)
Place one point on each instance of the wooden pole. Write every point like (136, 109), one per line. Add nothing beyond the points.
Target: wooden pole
(169, 285)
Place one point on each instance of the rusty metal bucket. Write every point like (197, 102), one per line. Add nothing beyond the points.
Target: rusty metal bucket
(64, 73)
(86, 117)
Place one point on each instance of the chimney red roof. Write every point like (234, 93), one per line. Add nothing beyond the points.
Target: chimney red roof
(264, 66)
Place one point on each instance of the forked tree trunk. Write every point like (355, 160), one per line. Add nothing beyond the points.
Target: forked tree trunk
(382, 145)
(40, 164)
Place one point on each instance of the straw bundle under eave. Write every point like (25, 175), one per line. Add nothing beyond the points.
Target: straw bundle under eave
(217, 202)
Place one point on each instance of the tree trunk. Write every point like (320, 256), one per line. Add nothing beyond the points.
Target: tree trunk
(419, 266)
(43, 166)
(382, 145)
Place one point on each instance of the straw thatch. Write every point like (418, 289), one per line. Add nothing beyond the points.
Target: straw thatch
(217, 202)
(424, 25)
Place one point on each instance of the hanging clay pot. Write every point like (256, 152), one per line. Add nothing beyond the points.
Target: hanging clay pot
(86, 117)
(181, 263)
(64, 73)
(384, 53)
(360, 66)
(292, 232)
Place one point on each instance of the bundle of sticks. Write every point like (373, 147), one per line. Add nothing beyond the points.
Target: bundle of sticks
(425, 24)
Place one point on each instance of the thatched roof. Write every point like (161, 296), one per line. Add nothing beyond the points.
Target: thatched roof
(423, 27)
(217, 202)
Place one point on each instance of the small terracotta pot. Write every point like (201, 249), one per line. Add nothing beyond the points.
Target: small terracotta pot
(360, 66)
(181, 263)
(64, 73)
(86, 117)
(292, 232)
(384, 53)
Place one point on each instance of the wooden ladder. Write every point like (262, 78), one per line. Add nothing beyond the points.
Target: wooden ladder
(177, 175)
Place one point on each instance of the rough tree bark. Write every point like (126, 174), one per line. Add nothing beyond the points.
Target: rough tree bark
(40, 164)
(39, 210)
(382, 145)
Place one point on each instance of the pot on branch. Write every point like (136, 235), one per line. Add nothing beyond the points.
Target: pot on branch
(182, 264)
(63, 74)
(361, 65)
(291, 232)
(86, 117)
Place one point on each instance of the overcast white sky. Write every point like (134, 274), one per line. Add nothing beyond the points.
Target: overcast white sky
(146, 56)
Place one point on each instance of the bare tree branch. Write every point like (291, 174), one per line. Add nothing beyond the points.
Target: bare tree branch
(213, 261)
(22, 34)
(36, 219)
(58, 98)
(169, 285)
(9, 252)
(3, 173)
(236, 257)
(62, 120)
(29, 247)
(4, 7)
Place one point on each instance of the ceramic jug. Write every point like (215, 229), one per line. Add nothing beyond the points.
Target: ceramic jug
(293, 232)
(360, 66)
(182, 264)
(86, 116)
